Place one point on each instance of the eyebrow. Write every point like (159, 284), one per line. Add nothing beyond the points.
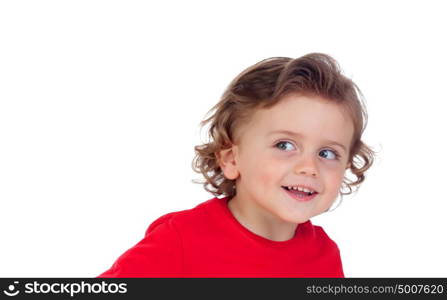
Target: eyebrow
(291, 133)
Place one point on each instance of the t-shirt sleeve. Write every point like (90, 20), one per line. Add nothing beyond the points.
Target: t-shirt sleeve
(158, 254)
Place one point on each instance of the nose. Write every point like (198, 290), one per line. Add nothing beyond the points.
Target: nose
(306, 166)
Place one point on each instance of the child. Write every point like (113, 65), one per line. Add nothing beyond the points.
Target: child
(281, 138)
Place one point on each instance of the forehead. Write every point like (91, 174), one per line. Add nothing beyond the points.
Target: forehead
(313, 117)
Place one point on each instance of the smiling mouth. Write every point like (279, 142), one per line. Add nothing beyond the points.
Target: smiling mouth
(299, 192)
(300, 195)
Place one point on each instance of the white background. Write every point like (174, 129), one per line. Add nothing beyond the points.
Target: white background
(100, 104)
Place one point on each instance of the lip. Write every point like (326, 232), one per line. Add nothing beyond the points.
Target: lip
(301, 199)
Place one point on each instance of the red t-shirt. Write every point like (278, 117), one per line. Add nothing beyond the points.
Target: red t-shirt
(208, 241)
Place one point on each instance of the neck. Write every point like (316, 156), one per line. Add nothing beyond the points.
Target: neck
(261, 222)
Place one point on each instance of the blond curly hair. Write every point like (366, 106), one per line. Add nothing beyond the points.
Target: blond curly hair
(263, 85)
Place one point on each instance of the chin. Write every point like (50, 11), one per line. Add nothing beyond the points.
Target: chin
(302, 220)
(296, 219)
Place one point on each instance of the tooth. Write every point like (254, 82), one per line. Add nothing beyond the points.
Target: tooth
(298, 188)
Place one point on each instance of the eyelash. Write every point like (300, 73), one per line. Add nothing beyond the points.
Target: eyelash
(337, 156)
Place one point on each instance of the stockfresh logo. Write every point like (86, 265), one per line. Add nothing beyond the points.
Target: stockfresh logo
(12, 289)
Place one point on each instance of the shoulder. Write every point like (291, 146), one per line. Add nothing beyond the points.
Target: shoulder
(328, 252)
(175, 221)
(160, 252)
(323, 239)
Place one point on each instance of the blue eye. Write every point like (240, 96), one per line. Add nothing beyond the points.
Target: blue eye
(283, 143)
(335, 154)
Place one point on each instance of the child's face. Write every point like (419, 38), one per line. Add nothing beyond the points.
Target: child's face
(263, 162)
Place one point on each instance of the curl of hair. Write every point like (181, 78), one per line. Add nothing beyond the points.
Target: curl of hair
(263, 85)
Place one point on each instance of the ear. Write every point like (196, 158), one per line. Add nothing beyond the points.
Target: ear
(227, 162)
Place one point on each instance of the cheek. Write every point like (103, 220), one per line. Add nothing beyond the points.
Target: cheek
(251, 172)
(332, 185)
(269, 173)
(334, 181)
